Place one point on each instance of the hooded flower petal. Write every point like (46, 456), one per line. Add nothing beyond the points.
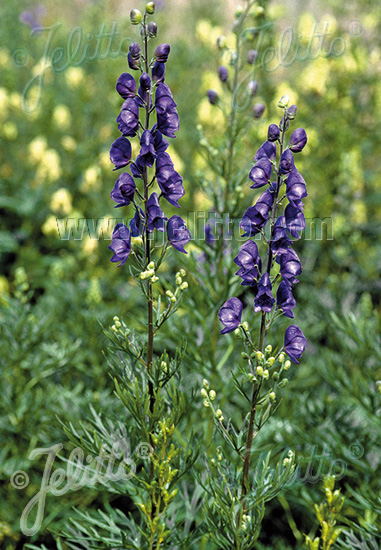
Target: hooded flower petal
(260, 173)
(120, 244)
(178, 233)
(156, 217)
(264, 300)
(267, 150)
(287, 162)
(296, 188)
(290, 266)
(230, 315)
(167, 116)
(120, 153)
(126, 86)
(124, 189)
(169, 181)
(294, 343)
(147, 153)
(298, 140)
(249, 261)
(128, 119)
(285, 300)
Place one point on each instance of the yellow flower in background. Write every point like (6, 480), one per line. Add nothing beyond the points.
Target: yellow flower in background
(69, 143)
(91, 179)
(9, 130)
(37, 149)
(49, 227)
(315, 76)
(49, 168)
(62, 117)
(74, 77)
(61, 202)
(206, 33)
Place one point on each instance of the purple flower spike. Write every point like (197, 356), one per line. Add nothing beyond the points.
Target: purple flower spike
(250, 264)
(287, 162)
(295, 220)
(230, 315)
(296, 188)
(294, 343)
(178, 233)
(156, 217)
(256, 216)
(128, 119)
(120, 244)
(298, 140)
(290, 266)
(273, 133)
(147, 151)
(264, 299)
(124, 189)
(281, 241)
(158, 72)
(169, 181)
(167, 116)
(120, 153)
(260, 173)
(162, 52)
(126, 85)
(285, 300)
(267, 150)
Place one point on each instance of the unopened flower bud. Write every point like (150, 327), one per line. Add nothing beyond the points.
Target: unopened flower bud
(114, 328)
(259, 355)
(152, 29)
(205, 384)
(154, 279)
(162, 52)
(269, 348)
(150, 8)
(136, 17)
(182, 272)
(223, 73)
(184, 286)
(252, 87)
(271, 361)
(173, 299)
(212, 395)
(287, 365)
(259, 371)
(204, 393)
(252, 56)
(244, 355)
(283, 383)
(245, 325)
(273, 132)
(266, 374)
(283, 102)
(281, 357)
(275, 375)
(272, 396)
(163, 365)
(291, 112)
(221, 42)
(219, 414)
(179, 281)
(206, 403)
(258, 110)
(212, 96)
(238, 12)
(169, 294)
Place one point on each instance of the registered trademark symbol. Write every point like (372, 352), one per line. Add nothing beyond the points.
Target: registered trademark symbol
(355, 28)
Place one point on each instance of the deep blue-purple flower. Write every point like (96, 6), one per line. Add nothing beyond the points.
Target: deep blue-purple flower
(133, 56)
(169, 181)
(298, 140)
(128, 119)
(249, 261)
(120, 153)
(286, 162)
(230, 315)
(145, 82)
(295, 220)
(120, 244)
(290, 266)
(266, 150)
(285, 300)
(256, 216)
(124, 189)
(273, 132)
(223, 73)
(264, 300)
(147, 152)
(296, 188)
(280, 242)
(126, 85)
(137, 167)
(294, 343)
(212, 96)
(137, 223)
(178, 233)
(155, 216)
(158, 72)
(258, 110)
(209, 235)
(260, 173)
(161, 144)
(162, 52)
(167, 116)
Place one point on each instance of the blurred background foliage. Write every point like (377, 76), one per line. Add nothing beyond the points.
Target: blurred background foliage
(56, 126)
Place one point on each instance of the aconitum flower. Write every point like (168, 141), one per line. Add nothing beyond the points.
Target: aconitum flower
(158, 72)
(137, 167)
(249, 261)
(296, 188)
(264, 299)
(155, 216)
(298, 140)
(290, 266)
(161, 144)
(120, 153)
(133, 56)
(294, 343)
(145, 82)
(178, 233)
(256, 216)
(280, 242)
(252, 56)
(285, 300)
(287, 162)
(230, 315)
(167, 116)
(137, 223)
(266, 150)
(124, 189)
(147, 152)
(291, 112)
(258, 110)
(162, 52)
(126, 85)
(223, 73)
(212, 96)
(128, 119)
(273, 132)
(120, 244)
(169, 181)
(295, 220)
(260, 173)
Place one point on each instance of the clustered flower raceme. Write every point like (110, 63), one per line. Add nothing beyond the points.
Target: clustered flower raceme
(152, 95)
(252, 270)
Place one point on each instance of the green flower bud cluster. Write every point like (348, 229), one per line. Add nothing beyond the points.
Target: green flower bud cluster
(209, 396)
(149, 273)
